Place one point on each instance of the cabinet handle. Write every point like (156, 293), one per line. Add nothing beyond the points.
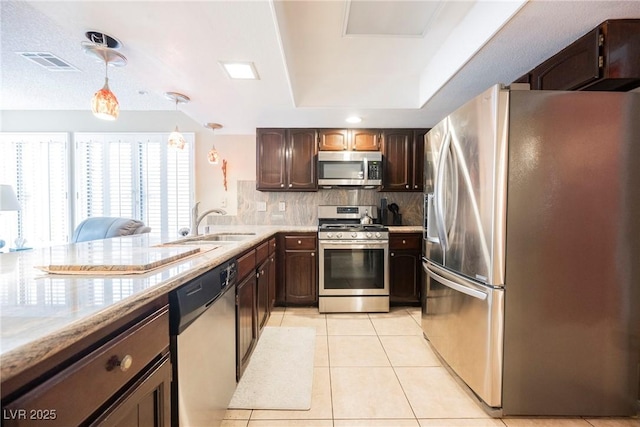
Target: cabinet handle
(281, 185)
(290, 185)
(406, 186)
(393, 254)
(299, 242)
(313, 254)
(123, 364)
(404, 242)
(262, 272)
(415, 186)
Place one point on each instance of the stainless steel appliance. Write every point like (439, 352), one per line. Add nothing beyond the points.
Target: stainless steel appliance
(203, 347)
(354, 260)
(350, 168)
(531, 250)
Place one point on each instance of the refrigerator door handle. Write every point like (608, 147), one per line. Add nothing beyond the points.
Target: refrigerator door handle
(453, 285)
(439, 196)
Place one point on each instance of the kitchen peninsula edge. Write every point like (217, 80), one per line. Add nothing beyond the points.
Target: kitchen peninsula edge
(32, 332)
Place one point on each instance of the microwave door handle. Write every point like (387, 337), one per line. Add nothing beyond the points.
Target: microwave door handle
(366, 171)
(453, 285)
(439, 190)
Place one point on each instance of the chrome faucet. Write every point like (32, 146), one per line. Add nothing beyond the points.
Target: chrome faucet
(196, 220)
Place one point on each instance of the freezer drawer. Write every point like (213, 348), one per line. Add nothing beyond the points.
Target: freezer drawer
(464, 321)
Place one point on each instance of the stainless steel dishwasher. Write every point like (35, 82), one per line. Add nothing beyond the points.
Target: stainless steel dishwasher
(203, 347)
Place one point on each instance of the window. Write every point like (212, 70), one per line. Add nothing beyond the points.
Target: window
(111, 174)
(36, 166)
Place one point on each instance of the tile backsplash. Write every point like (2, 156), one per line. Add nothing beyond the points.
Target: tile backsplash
(301, 208)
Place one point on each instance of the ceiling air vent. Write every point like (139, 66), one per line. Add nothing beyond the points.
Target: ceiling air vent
(48, 60)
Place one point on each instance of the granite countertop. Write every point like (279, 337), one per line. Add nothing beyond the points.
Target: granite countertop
(405, 228)
(41, 314)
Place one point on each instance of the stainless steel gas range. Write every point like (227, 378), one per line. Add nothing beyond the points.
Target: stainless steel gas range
(354, 260)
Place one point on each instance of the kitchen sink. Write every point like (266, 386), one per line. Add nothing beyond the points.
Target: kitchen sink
(211, 239)
(235, 237)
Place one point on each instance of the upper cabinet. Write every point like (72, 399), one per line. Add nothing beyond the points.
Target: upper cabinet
(403, 159)
(286, 159)
(606, 58)
(349, 139)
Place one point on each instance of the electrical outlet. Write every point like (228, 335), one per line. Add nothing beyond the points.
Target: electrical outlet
(282, 207)
(261, 206)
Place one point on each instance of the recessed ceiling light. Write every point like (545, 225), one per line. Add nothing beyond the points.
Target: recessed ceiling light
(354, 119)
(240, 70)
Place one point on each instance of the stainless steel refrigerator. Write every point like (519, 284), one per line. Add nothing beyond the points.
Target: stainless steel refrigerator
(532, 250)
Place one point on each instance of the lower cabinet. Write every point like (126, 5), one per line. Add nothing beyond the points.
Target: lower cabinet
(405, 255)
(124, 382)
(246, 311)
(299, 271)
(263, 293)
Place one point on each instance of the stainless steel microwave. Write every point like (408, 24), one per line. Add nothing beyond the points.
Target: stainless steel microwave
(350, 168)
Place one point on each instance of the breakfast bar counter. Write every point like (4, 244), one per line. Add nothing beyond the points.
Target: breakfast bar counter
(42, 314)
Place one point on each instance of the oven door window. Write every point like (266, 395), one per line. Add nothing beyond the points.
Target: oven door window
(341, 169)
(354, 269)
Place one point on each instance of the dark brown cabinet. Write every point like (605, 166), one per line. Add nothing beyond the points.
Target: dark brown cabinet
(246, 310)
(403, 159)
(125, 381)
(299, 284)
(405, 275)
(606, 58)
(272, 271)
(262, 275)
(349, 139)
(286, 160)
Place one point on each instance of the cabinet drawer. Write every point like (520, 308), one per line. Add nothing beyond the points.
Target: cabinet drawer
(262, 252)
(246, 264)
(74, 394)
(300, 242)
(408, 241)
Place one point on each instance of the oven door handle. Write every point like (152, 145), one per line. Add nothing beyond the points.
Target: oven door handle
(354, 244)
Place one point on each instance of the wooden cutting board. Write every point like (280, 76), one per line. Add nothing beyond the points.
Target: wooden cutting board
(106, 257)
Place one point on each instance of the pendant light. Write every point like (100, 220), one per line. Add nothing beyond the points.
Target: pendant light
(176, 140)
(104, 103)
(213, 157)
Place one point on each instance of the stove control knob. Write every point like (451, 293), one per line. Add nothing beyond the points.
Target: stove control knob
(369, 234)
(339, 235)
(378, 234)
(354, 234)
(329, 234)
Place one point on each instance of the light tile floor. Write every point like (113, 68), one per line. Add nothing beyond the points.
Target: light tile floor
(377, 370)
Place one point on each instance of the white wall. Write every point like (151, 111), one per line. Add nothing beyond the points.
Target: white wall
(238, 150)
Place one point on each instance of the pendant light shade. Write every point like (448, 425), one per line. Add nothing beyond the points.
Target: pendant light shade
(212, 156)
(104, 103)
(176, 140)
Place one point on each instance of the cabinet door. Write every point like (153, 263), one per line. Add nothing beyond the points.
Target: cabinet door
(404, 277)
(397, 160)
(301, 159)
(418, 159)
(364, 140)
(146, 404)
(333, 139)
(272, 281)
(246, 325)
(572, 68)
(300, 277)
(263, 294)
(271, 159)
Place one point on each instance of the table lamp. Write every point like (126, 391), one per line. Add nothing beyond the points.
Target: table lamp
(8, 202)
